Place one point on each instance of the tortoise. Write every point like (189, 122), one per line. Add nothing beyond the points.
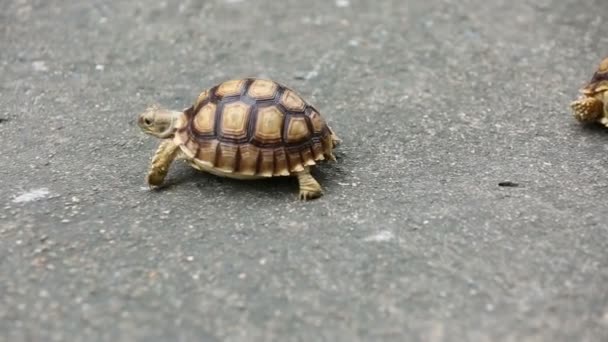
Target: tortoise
(250, 128)
(592, 105)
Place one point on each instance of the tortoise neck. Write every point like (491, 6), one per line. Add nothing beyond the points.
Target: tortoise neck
(168, 118)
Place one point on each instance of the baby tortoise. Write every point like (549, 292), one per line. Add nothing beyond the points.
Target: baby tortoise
(592, 105)
(244, 129)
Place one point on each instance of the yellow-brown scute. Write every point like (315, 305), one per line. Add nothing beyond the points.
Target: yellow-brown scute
(201, 97)
(269, 125)
(204, 121)
(248, 159)
(317, 122)
(596, 86)
(262, 89)
(292, 101)
(297, 130)
(235, 118)
(230, 88)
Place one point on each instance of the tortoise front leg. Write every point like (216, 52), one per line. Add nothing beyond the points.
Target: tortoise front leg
(587, 109)
(309, 187)
(604, 112)
(164, 156)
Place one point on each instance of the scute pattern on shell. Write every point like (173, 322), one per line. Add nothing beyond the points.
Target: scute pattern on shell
(254, 127)
(599, 80)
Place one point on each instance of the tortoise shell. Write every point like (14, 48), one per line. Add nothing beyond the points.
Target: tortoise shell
(599, 81)
(253, 127)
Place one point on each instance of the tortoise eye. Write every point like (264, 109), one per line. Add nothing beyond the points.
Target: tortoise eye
(147, 121)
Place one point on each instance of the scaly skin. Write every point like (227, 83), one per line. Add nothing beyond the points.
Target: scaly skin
(309, 187)
(159, 167)
(334, 138)
(589, 109)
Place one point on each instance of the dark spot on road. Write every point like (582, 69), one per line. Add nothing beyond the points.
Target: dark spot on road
(508, 184)
(3, 120)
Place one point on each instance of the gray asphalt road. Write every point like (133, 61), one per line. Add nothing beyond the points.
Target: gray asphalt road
(436, 101)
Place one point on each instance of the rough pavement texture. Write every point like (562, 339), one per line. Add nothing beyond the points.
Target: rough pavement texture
(436, 101)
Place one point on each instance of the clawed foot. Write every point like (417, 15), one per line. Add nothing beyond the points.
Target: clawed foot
(335, 141)
(156, 178)
(306, 195)
(587, 109)
(309, 187)
(165, 154)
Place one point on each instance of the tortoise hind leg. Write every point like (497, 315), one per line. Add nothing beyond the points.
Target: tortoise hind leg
(335, 140)
(309, 187)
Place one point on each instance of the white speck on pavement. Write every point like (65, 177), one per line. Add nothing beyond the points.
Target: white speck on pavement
(32, 195)
(381, 236)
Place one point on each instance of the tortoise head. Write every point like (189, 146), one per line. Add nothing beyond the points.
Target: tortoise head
(158, 122)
